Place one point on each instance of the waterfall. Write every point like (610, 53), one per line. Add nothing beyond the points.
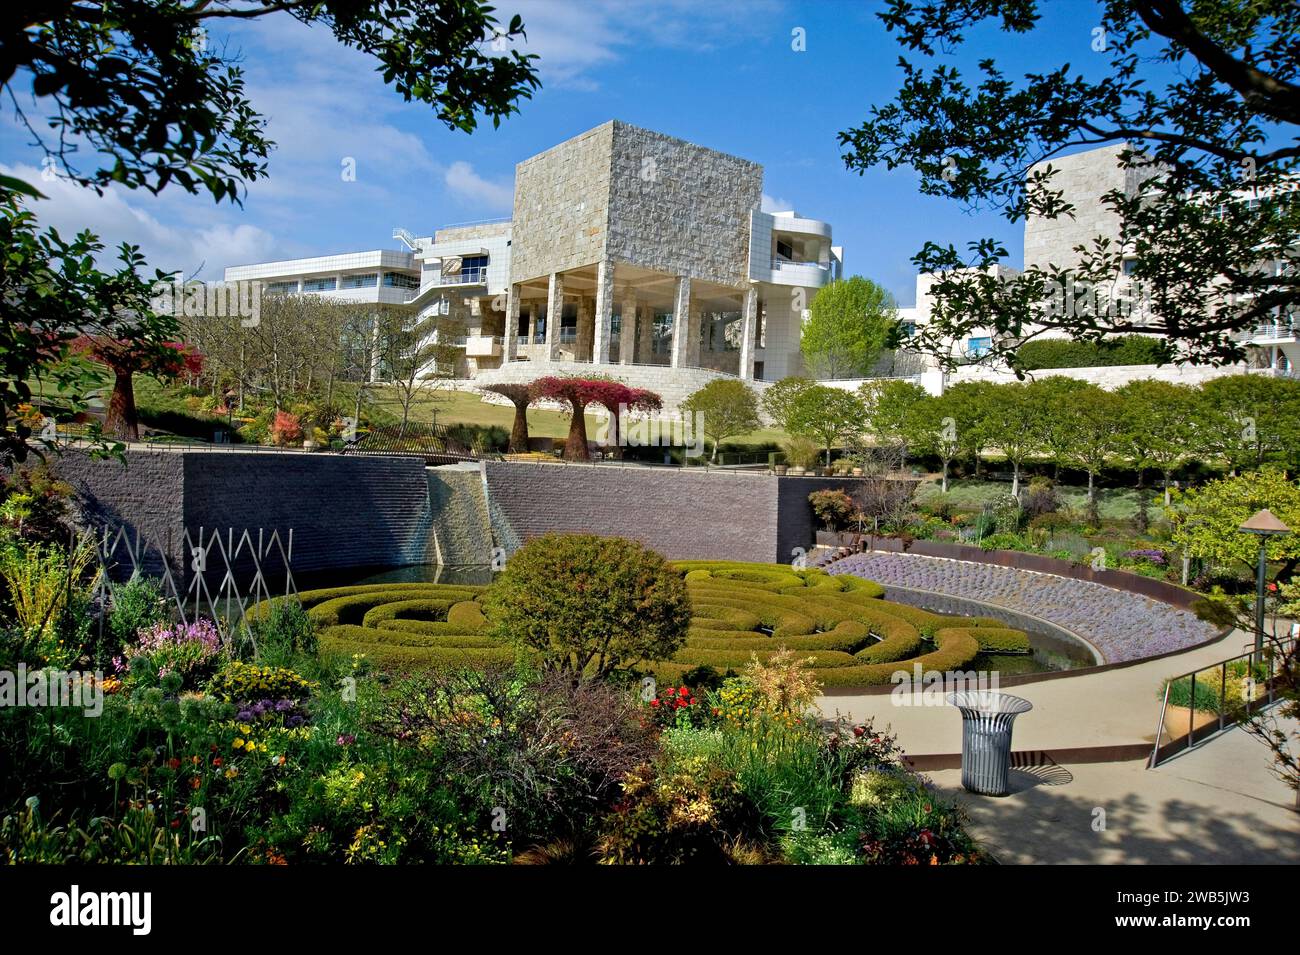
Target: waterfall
(461, 529)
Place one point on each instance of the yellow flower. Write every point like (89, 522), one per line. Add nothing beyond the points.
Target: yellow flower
(238, 744)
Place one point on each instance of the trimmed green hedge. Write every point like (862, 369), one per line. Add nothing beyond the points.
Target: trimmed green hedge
(1044, 353)
(742, 611)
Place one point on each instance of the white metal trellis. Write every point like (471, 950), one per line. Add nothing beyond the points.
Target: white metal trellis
(206, 553)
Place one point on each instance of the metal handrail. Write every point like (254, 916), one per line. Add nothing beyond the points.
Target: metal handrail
(1281, 644)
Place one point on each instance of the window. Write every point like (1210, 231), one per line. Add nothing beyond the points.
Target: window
(907, 329)
(784, 249)
(978, 347)
(370, 280)
(319, 285)
(1130, 266)
(282, 288)
(401, 280)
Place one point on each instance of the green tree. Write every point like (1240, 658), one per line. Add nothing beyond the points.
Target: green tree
(726, 407)
(932, 428)
(138, 82)
(827, 414)
(849, 325)
(1253, 418)
(892, 407)
(1054, 396)
(1206, 519)
(1163, 426)
(1094, 436)
(589, 605)
(779, 400)
(1208, 94)
(969, 405)
(1015, 426)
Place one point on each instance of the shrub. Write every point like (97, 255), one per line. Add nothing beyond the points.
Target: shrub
(241, 682)
(589, 604)
(832, 507)
(1066, 353)
(284, 630)
(137, 605)
(801, 452)
(286, 429)
(191, 651)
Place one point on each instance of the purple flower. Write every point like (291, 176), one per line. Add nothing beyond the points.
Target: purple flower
(346, 739)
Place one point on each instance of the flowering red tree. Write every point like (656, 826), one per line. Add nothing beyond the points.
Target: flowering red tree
(138, 352)
(620, 398)
(581, 392)
(521, 396)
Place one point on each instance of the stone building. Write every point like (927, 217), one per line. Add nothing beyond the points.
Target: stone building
(629, 253)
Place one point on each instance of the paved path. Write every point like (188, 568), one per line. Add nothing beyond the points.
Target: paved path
(1114, 707)
(1217, 804)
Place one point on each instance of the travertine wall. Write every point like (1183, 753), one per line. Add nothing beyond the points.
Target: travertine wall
(561, 209)
(679, 208)
(634, 196)
(1084, 178)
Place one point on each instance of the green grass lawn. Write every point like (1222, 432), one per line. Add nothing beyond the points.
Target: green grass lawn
(1115, 504)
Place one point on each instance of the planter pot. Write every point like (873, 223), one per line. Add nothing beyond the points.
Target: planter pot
(309, 445)
(1176, 721)
(797, 471)
(857, 472)
(780, 468)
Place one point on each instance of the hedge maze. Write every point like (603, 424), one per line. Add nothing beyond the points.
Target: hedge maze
(853, 636)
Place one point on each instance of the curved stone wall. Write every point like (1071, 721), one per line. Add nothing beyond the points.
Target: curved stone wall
(1122, 626)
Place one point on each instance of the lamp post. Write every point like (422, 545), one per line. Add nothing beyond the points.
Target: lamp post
(1263, 524)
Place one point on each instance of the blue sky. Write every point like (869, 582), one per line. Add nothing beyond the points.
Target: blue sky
(721, 74)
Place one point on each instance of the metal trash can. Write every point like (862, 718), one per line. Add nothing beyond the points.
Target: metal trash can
(986, 719)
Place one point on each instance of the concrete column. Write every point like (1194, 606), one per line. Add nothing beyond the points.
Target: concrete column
(645, 334)
(696, 323)
(748, 332)
(627, 328)
(510, 345)
(554, 312)
(586, 330)
(604, 311)
(681, 322)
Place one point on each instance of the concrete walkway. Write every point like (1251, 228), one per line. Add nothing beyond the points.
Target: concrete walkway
(1216, 804)
(1114, 707)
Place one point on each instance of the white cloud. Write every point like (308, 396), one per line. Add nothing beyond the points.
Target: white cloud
(574, 39)
(466, 184)
(772, 204)
(157, 224)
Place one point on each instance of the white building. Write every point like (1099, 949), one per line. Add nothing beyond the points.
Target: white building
(1084, 177)
(629, 253)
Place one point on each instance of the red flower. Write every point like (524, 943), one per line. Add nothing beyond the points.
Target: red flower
(174, 763)
(859, 731)
(654, 702)
(216, 761)
(683, 692)
(692, 701)
(176, 823)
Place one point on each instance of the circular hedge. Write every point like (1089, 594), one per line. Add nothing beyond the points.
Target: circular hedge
(853, 636)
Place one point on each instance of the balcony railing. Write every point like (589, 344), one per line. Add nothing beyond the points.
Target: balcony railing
(1274, 330)
(475, 276)
(778, 264)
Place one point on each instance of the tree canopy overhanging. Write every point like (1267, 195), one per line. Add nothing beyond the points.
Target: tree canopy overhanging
(1204, 104)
